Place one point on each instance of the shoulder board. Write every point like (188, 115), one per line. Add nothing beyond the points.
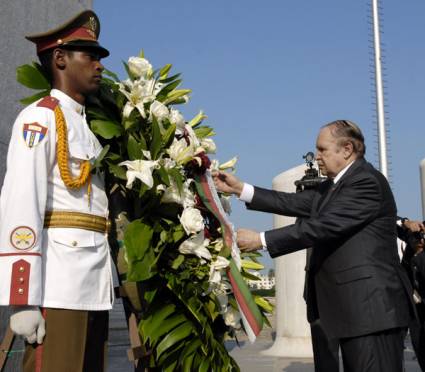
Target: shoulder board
(48, 102)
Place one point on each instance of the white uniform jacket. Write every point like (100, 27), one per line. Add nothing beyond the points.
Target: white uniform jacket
(65, 268)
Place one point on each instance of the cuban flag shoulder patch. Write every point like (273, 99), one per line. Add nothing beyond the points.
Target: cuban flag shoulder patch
(34, 134)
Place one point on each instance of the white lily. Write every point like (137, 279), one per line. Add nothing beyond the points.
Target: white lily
(208, 145)
(172, 194)
(197, 245)
(180, 151)
(140, 169)
(138, 93)
(177, 118)
(159, 110)
(216, 267)
(229, 164)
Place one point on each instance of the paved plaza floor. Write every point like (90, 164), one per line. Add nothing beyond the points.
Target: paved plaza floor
(247, 355)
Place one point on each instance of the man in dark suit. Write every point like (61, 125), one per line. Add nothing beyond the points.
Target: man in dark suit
(356, 286)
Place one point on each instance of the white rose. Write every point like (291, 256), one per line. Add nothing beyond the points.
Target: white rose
(192, 220)
(196, 245)
(159, 110)
(177, 119)
(232, 318)
(209, 145)
(192, 136)
(139, 66)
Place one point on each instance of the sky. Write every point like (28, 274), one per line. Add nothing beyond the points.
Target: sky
(268, 74)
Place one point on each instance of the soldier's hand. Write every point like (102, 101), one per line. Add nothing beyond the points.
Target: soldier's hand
(27, 321)
(248, 240)
(228, 183)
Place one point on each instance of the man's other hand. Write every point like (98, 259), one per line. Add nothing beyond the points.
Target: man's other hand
(228, 183)
(414, 226)
(248, 240)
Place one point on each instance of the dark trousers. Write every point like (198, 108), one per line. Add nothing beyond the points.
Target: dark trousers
(377, 352)
(325, 351)
(75, 341)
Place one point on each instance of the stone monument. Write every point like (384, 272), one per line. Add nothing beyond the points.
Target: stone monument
(293, 339)
(19, 18)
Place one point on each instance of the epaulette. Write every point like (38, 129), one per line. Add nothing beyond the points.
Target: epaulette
(48, 102)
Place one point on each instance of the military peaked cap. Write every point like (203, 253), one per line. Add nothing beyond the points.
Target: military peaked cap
(82, 31)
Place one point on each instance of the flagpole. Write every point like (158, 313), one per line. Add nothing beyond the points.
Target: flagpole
(382, 142)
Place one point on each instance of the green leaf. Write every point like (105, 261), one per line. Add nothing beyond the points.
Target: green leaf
(168, 136)
(169, 79)
(179, 234)
(134, 148)
(175, 95)
(189, 349)
(164, 176)
(106, 129)
(163, 73)
(31, 77)
(163, 93)
(153, 321)
(178, 178)
(143, 269)
(249, 276)
(187, 363)
(98, 161)
(177, 262)
(197, 119)
(111, 74)
(35, 97)
(156, 143)
(166, 326)
(137, 239)
(97, 113)
(118, 171)
(175, 336)
(202, 132)
(204, 365)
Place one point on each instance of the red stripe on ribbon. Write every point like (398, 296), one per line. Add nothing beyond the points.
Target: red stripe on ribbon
(243, 305)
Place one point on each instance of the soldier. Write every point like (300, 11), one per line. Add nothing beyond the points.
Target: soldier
(55, 265)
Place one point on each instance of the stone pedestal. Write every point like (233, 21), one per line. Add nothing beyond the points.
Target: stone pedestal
(293, 339)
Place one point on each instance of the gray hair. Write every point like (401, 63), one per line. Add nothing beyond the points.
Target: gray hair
(347, 131)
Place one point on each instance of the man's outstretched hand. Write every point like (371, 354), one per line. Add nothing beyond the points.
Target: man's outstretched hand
(228, 183)
(248, 240)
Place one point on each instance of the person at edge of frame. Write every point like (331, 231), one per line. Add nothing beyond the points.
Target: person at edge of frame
(356, 285)
(55, 264)
(413, 260)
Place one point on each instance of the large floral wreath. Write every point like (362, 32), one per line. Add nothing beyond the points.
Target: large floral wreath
(172, 235)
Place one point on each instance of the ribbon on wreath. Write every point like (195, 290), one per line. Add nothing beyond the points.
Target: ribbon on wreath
(250, 314)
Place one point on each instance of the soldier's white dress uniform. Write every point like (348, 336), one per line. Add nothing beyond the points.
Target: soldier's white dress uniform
(68, 268)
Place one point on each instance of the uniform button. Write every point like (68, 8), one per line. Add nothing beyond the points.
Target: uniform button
(21, 269)
(74, 243)
(21, 280)
(20, 291)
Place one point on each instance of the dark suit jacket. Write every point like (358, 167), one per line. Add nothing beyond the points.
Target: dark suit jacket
(356, 285)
